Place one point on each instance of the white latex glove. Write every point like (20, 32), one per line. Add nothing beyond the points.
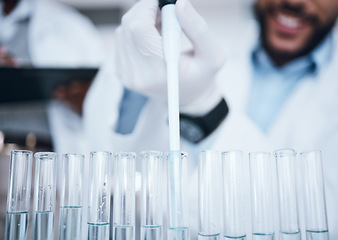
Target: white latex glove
(141, 65)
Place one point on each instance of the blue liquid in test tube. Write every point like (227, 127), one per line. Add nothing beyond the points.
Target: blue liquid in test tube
(18, 197)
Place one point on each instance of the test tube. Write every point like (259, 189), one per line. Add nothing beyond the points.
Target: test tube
(209, 195)
(261, 196)
(18, 197)
(151, 212)
(177, 196)
(287, 191)
(99, 195)
(314, 196)
(70, 225)
(44, 195)
(233, 190)
(124, 196)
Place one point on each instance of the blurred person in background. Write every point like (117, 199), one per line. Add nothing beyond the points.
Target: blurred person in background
(278, 89)
(43, 33)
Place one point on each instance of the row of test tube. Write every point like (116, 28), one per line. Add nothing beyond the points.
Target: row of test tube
(285, 174)
(99, 187)
(214, 168)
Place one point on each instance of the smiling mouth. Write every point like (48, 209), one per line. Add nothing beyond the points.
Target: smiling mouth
(289, 24)
(288, 21)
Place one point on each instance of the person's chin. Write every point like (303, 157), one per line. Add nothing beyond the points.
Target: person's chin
(286, 46)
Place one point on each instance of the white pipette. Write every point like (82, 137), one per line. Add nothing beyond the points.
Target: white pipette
(171, 38)
(171, 35)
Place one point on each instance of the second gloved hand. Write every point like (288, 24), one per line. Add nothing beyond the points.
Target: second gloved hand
(140, 61)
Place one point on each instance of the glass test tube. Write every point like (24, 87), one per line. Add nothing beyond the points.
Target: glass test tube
(177, 196)
(124, 196)
(99, 195)
(70, 226)
(261, 196)
(314, 196)
(18, 197)
(209, 195)
(234, 187)
(44, 195)
(151, 212)
(287, 189)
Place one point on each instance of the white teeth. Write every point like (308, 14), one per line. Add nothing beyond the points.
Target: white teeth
(288, 21)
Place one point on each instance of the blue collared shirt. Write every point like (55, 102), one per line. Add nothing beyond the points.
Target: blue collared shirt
(271, 85)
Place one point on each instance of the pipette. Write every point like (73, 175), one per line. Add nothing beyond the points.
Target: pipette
(171, 38)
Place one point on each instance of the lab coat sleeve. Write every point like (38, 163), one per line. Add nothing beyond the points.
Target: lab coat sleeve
(101, 108)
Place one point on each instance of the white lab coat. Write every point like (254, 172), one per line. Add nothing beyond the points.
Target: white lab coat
(308, 120)
(58, 36)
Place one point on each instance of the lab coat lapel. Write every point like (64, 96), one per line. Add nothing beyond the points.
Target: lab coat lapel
(311, 112)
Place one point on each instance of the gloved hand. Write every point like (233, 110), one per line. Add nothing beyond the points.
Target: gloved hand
(141, 65)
